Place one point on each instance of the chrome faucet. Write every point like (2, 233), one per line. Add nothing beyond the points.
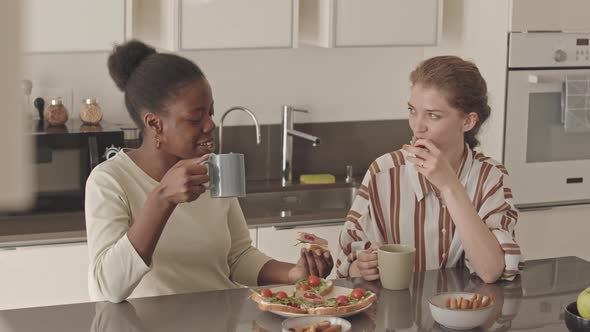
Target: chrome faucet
(287, 133)
(258, 137)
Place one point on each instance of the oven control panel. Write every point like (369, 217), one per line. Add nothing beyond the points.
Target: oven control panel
(549, 50)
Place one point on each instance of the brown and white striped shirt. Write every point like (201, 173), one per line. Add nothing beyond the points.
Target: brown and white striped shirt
(396, 204)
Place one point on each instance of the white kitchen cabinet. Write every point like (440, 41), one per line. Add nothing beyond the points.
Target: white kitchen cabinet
(550, 15)
(279, 243)
(72, 25)
(561, 231)
(366, 23)
(221, 24)
(237, 24)
(43, 275)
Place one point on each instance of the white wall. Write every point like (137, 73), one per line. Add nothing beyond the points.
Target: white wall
(335, 84)
(478, 30)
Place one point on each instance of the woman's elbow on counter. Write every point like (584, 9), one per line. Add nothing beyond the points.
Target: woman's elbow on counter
(111, 295)
(116, 298)
(490, 278)
(103, 289)
(493, 273)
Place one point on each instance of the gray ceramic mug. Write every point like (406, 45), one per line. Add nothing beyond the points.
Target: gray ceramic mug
(227, 175)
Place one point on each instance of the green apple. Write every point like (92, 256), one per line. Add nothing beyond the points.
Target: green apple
(584, 303)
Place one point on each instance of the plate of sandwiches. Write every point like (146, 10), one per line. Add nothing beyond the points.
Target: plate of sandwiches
(313, 296)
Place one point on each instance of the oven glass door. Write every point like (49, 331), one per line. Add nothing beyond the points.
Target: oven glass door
(548, 163)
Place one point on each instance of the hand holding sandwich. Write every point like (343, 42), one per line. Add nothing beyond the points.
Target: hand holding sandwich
(311, 262)
(314, 259)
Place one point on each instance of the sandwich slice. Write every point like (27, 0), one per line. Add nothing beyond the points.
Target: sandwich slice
(279, 301)
(312, 241)
(357, 300)
(313, 284)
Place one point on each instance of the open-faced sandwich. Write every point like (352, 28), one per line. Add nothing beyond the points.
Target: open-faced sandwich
(308, 302)
(313, 284)
(311, 241)
(356, 300)
(279, 301)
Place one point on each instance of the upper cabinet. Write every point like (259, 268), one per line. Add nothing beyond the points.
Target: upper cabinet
(550, 15)
(366, 23)
(214, 24)
(72, 25)
(237, 24)
(177, 25)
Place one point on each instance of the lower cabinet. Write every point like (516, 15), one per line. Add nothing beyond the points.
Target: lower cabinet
(279, 243)
(43, 275)
(561, 231)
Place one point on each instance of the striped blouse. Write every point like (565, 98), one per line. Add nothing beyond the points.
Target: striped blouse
(396, 204)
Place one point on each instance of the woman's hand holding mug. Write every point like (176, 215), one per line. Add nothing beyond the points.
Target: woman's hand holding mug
(185, 181)
(366, 262)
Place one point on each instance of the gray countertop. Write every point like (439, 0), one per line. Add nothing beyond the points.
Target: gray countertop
(50, 228)
(533, 302)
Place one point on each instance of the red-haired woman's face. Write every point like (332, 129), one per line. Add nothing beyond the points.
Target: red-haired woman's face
(432, 117)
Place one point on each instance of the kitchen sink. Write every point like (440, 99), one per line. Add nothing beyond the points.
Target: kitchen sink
(312, 205)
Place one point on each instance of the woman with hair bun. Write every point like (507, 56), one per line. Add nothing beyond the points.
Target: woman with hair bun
(453, 204)
(150, 229)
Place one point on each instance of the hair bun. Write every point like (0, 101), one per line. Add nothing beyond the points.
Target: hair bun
(125, 58)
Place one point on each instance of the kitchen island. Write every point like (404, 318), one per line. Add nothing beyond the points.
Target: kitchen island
(533, 302)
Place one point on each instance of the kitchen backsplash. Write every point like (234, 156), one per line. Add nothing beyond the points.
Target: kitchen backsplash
(355, 143)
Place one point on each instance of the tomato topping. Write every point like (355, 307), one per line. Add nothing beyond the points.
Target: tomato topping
(265, 292)
(309, 237)
(304, 287)
(310, 295)
(357, 293)
(281, 295)
(313, 281)
(342, 300)
(295, 305)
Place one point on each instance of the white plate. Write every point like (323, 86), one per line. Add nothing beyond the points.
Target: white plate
(336, 291)
(305, 321)
(344, 314)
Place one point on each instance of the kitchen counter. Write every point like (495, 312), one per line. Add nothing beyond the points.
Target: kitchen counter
(533, 302)
(67, 227)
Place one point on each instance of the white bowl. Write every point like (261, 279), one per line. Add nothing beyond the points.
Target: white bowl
(308, 320)
(458, 319)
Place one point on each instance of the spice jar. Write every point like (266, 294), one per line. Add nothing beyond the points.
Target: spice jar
(56, 113)
(90, 112)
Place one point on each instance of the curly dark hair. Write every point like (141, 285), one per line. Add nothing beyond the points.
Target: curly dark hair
(148, 78)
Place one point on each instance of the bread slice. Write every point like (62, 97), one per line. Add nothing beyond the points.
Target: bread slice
(314, 246)
(365, 302)
(312, 241)
(256, 297)
(326, 290)
(266, 306)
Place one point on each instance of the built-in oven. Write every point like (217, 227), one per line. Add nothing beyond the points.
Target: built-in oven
(547, 130)
(63, 159)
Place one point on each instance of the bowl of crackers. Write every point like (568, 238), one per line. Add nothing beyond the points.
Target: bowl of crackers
(461, 310)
